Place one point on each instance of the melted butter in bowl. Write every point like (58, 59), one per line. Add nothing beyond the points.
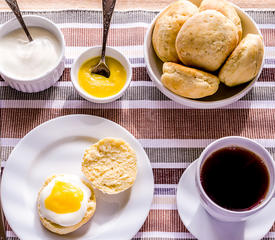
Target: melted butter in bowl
(24, 60)
(96, 88)
(100, 86)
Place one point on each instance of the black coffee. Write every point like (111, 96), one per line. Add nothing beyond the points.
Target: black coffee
(235, 178)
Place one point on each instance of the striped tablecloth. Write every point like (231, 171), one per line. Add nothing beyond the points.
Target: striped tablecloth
(172, 135)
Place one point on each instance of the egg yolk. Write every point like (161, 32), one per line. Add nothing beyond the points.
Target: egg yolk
(100, 86)
(64, 198)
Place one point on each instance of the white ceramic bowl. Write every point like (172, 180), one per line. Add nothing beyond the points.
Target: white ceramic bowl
(49, 78)
(96, 52)
(225, 95)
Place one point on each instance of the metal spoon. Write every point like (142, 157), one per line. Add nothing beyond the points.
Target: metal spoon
(108, 8)
(14, 7)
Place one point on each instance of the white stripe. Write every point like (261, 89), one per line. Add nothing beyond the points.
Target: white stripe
(270, 235)
(140, 84)
(158, 205)
(162, 235)
(269, 65)
(137, 51)
(124, 104)
(265, 84)
(166, 186)
(130, 25)
(266, 25)
(145, 84)
(10, 234)
(161, 143)
(3, 163)
(69, 84)
(175, 143)
(191, 143)
(164, 206)
(129, 51)
(99, 25)
(134, 65)
(182, 235)
(154, 165)
(269, 52)
(137, 65)
(170, 165)
(6, 142)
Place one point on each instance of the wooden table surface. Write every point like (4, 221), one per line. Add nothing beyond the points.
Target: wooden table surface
(121, 4)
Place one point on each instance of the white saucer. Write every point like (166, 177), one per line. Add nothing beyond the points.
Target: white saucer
(205, 227)
(57, 146)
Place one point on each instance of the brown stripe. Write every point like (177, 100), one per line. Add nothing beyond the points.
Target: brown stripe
(93, 36)
(167, 175)
(7, 226)
(84, 37)
(156, 123)
(269, 37)
(163, 221)
(267, 75)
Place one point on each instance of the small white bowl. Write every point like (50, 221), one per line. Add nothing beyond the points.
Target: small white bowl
(49, 78)
(225, 95)
(96, 52)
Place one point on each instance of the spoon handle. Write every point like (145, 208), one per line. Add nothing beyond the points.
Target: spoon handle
(14, 7)
(108, 9)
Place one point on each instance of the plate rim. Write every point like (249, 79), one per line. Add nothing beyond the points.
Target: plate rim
(4, 180)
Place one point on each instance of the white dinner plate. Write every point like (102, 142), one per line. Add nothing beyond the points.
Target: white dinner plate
(57, 146)
(205, 227)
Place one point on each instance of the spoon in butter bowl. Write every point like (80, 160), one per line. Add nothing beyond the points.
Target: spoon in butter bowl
(15, 8)
(108, 8)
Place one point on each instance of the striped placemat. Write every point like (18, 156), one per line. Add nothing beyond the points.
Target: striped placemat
(172, 135)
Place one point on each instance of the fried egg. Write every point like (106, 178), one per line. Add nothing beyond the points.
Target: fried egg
(64, 200)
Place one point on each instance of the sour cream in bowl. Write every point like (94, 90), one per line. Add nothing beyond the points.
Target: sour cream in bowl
(31, 66)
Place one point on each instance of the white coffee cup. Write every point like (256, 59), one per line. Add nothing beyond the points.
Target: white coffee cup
(214, 209)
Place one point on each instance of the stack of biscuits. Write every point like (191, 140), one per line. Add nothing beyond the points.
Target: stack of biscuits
(201, 47)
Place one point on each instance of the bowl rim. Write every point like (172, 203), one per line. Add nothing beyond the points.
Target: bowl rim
(61, 55)
(197, 103)
(109, 53)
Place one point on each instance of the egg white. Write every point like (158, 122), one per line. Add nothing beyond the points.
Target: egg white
(66, 219)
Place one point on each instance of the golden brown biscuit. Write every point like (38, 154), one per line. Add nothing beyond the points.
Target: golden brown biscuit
(226, 9)
(245, 61)
(206, 39)
(110, 165)
(167, 27)
(53, 227)
(188, 82)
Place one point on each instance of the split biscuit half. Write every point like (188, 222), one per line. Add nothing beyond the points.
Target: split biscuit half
(110, 165)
